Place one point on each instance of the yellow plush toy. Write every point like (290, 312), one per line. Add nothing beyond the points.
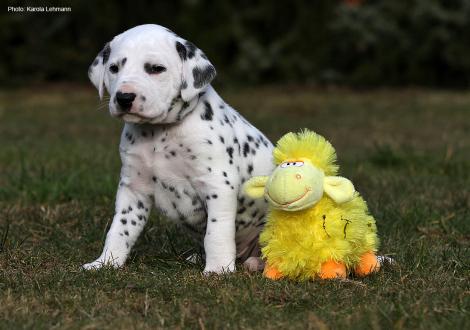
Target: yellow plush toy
(318, 225)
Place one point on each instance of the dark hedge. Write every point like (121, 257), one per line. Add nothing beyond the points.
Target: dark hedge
(355, 43)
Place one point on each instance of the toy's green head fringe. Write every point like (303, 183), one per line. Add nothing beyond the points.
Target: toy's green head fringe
(307, 144)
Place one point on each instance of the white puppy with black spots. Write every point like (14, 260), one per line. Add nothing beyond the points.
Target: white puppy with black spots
(182, 148)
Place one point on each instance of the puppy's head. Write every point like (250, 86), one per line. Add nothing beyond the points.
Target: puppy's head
(149, 71)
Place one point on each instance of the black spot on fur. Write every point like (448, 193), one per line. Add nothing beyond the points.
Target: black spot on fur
(250, 138)
(124, 60)
(250, 168)
(224, 174)
(246, 149)
(221, 138)
(227, 121)
(181, 50)
(133, 222)
(208, 113)
(106, 52)
(230, 152)
(96, 61)
(214, 220)
(241, 210)
(184, 84)
(154, 178)
(126, 233)
(140, 205)
(191, 49)
(214, 196)
(203, 76)
(123, 221)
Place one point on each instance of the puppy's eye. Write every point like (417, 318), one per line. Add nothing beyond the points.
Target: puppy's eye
(153, 68)
(113, 68)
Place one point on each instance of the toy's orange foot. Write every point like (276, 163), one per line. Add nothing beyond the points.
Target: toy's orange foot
(272, 273)
(368, 264)
(332, 269)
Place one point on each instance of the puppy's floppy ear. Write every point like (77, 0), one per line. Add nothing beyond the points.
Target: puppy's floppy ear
(96, 69)
(198, 71)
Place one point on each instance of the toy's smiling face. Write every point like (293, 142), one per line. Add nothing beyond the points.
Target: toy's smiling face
(294, 185)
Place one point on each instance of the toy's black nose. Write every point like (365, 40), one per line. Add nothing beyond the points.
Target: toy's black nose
(125, 100)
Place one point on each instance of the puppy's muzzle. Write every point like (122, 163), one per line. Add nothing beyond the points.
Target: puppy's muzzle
(125, 100)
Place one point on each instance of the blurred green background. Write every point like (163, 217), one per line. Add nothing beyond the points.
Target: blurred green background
(359, 43)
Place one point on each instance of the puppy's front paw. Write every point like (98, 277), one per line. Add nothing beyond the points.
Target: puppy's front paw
(219, 269)
(100, 263)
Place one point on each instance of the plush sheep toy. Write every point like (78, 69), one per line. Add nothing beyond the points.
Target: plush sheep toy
(318, 225)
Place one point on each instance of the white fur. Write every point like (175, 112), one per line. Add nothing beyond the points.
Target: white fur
(175, 152)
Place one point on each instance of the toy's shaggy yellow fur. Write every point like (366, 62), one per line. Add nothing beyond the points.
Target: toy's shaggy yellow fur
(298, 243)
(310, 145)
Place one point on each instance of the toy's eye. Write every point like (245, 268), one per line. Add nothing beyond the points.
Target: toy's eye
(298, 164)
(114, 68)
(284, 165)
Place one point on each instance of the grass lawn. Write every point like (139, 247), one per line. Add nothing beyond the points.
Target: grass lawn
(407, 152)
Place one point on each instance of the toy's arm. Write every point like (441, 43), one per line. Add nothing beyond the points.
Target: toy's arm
(255, 186)
(340, 189)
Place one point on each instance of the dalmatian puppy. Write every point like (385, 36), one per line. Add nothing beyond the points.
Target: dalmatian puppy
(183, 149)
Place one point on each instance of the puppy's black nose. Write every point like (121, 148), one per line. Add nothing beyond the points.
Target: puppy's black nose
(125, 100)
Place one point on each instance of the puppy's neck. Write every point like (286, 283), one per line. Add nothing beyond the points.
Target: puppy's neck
(179, 108)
